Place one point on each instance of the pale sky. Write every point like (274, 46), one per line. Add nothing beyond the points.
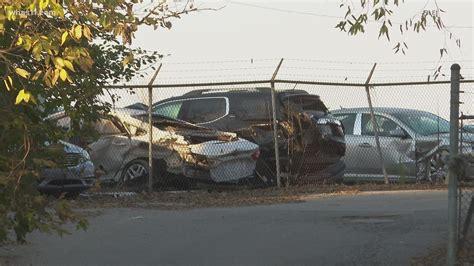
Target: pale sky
(245, 40)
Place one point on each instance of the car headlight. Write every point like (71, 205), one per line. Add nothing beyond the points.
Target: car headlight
(75, 155)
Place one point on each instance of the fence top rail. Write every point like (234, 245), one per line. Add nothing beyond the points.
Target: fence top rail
(284, 81)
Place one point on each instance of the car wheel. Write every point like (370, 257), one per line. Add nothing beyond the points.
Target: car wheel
(135, 174)
(434, 168)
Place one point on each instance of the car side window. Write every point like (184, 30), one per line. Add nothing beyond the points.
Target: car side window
(203, 110)
(252, 108)
(170, 109)
(384, 125)
(348, 121)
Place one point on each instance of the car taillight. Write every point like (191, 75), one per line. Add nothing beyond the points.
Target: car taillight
(255, 155)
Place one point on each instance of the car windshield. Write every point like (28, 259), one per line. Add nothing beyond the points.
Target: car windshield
(424, 123)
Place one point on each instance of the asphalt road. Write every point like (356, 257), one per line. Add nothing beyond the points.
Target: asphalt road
(363, 229)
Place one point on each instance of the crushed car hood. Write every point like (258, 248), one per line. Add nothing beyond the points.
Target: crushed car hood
(182, 128)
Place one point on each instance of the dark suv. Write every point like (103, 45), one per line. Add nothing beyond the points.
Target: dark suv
(311, 141)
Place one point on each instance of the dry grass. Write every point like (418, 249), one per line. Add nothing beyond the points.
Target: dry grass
(437, 256)
(235, 196)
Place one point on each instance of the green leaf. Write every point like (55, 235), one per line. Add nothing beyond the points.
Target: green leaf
(63, 74)
(87, 32)
(43, 4)
(442, 51)
(6, 85)
(69, 65)
(58, 62)
(78, 32)
(37, 75)
(19, 41)
(23, 96)
(55, 77)
(57, 8)
(348, 12)
(23, 73)
(64, 37)
(127, 59)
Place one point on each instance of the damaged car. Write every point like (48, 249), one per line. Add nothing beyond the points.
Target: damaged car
(414, 144)
(180, 150)
(311, 142)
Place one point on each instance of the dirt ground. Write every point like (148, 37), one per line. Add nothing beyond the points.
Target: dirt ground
(229, 196)
(437, 256)
(93, 203)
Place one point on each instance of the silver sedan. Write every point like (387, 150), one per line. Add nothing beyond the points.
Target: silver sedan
(414, 143)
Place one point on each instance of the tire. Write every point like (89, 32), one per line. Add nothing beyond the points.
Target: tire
(135, 174)
(161, 178)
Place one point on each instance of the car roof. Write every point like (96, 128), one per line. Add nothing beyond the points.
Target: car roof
(386, 110)
(221, 92)
(238, 92)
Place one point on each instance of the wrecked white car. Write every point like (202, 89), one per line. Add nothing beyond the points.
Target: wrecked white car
(180, 149)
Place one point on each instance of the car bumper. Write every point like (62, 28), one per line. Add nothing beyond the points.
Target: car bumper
(72, 185)
(229, 171)
(74, 179)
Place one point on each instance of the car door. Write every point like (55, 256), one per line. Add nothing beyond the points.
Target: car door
(393, 147)
(109, 151)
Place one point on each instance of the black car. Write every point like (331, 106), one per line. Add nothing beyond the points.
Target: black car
(311, 141)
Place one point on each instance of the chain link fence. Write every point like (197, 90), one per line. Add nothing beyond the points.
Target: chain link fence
(222, 132)
(325, 131)
(466, 191)
(246, 130)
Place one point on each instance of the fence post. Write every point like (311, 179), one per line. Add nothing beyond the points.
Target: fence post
(150, 131)
(453, 153)
(275, 128)
(376, 126)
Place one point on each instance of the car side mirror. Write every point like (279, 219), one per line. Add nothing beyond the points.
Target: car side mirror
(398, 133)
